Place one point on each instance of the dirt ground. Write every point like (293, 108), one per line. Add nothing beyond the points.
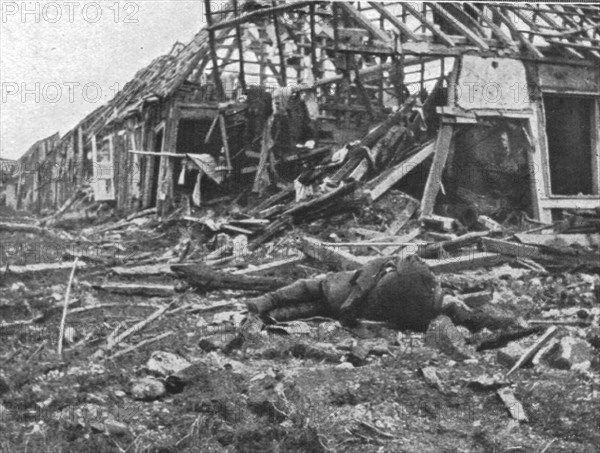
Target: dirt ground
(300, 390)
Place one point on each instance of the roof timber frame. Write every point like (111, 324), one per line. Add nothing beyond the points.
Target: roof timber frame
(569, 33)
(572, 39)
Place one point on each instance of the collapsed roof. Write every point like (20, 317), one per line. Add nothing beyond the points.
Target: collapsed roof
(390, 29)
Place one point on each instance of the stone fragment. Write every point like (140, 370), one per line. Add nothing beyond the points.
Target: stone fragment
(147, 389)
(570, 352)
(509, 354)
(443, 335)
(164, 363)
(217, 342)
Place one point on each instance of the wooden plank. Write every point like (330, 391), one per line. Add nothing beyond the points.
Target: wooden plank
(135, 289)
(434, 249)
(465, 262)
(583, 240)
(496, 30)
(407, 249)
(364, 22)
(528, 355)
(143, 271)
(404, 216)
(459, 26)
(396, 22)
(275, 265)
(515, 32)
(417, 14)
(225, 141)
(240, 47)
(434, 180)
(390, 178)
(280, 50)
(331, 255)
(40, 267)
(249, 17)
(511, 248)
(213, 51)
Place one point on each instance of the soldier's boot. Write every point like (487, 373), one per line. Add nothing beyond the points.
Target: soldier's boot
(305, 310)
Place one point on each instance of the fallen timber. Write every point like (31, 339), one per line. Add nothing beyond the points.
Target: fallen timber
(203, 277)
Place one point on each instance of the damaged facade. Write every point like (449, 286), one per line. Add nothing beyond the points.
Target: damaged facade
(476, 109)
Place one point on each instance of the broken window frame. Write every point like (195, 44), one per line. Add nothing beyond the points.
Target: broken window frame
(546, 199)
(103, 171)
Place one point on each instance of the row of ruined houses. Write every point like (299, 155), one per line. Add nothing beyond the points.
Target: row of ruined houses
(260, 85)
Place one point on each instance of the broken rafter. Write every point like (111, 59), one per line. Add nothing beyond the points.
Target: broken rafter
(494, 27)
(434, 181)
(213, 51)
(280, 50)
(421, 18)
(240, 47)
(515, 32)
(459, 26)
(360, 18)
(396, 22)
(249, 17)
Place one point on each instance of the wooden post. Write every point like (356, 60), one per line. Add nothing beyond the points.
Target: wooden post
(238, 32)
(434, 180)
(313, 44)
(213, 52)
(280, 50)
(225, 141)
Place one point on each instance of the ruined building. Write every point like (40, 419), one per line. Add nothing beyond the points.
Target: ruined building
(503, 102)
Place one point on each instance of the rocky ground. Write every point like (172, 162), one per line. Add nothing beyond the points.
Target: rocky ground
(210, 382)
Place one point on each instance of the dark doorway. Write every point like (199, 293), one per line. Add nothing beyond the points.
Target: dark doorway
(568, 129)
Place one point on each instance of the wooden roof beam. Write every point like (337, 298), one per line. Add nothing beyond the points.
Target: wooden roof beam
(431, 27)
(248, 17)
(516, 33)
(495, 28)
(459, 26)
(535, 28)
(396, 22)
(555, 42)
(360, 18)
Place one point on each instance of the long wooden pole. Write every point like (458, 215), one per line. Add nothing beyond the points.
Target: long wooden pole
(282, 64)
(213, 51)
(238, 32)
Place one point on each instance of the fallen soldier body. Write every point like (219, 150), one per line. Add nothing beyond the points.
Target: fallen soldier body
(402, 292)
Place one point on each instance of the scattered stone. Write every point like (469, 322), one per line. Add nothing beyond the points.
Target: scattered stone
(443, 335)
(513, 405)
(166, 363)
(4, 384)
(70, 334)
(429, 373)
(217, 342)
(18, 286)
(147, 389)
(358, 354)
(4, 413)
(316, 351)
(477, 299)
(111, 426)
(593, 336)
(570, 352)
(378, 347)
(290, 328)
(486, 382)
(345, 366)
(509, 354)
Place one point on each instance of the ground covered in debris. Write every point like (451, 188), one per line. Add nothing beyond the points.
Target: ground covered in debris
(199, 378)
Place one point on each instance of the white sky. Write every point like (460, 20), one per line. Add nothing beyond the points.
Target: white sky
(88, 44)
